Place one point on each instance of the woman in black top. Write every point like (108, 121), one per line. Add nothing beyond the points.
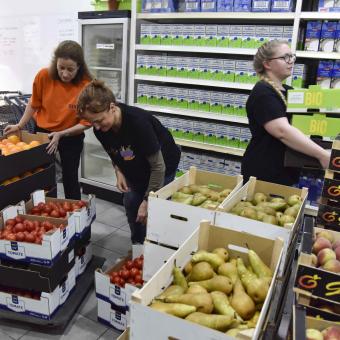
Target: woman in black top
(142, 150)
(269, 121)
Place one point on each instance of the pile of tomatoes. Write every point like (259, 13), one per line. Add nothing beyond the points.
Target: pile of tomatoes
(23, 230)
(131, 272)
(56, 209)
(21, 292)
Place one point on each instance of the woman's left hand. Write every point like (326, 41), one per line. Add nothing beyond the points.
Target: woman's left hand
(52, 147)
(142, 212)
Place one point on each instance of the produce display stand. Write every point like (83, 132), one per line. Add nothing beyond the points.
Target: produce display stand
(66, 312)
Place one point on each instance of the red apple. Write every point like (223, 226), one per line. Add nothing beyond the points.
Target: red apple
(326, 234)
(337, 252)
(331, 333)
(332, 266)
(321, 243)
(325, 255)
(336, 244)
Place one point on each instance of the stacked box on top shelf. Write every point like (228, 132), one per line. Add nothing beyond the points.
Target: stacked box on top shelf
(150, 323)
(170, 222)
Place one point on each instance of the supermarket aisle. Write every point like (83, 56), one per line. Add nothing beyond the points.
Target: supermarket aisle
(111, 240)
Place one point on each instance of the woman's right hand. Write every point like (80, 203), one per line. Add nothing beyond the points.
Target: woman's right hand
(121, 182)
(325, 159)
(11, 128)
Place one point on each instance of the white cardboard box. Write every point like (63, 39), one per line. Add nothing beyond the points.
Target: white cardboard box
(171, 223)
(271, 231)
(147, 323)
(53, 242)
(82, 261)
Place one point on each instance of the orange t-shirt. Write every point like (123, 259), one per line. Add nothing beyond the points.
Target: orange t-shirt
(56, 102)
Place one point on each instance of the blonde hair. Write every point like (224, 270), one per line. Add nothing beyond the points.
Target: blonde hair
(95, 97)
(264, 53)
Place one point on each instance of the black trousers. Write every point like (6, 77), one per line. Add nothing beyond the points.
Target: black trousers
(70, 149)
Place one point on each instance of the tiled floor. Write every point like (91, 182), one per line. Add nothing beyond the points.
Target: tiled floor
(111, 240)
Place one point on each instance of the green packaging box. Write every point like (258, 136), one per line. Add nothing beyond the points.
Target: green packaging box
(193, 103)
(199, 35)
(228, 104)
(145, 34)
(177, 34)
(216, 102)
(210, 35)
(216, 69)
(235, 40)
(166, 36)
(188, 35)
(222, 39)
(248, 36)
(194, 67)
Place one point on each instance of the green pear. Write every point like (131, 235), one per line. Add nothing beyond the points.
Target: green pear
(222, 305)
(264, 206)
(209, 204)
(278, 206)
(214, 196)
(291, 211)
(198, 199)
(249, 212)
(253, 321)
(181, 198)
(171, 290)
(278, 215)
(201, 271)
(222, 252)
(177, 309)
(286, 219)
(194, 188)
(259, 267)
(196, 289)
(259, 197)
(188, 268)
(261, 215)
(256, 288)
(185, 190)
(179, 279)
(213, 259)
(214, 321)
(225, 193)
(218, 282)
(204, 189)
(242, 302)
(269, 219)
(294, 199)
(229, 270)
(203, 302)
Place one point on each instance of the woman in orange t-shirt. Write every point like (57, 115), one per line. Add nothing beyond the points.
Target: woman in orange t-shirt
(53, 106)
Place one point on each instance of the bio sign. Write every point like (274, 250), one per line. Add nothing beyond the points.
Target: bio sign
(318, 283)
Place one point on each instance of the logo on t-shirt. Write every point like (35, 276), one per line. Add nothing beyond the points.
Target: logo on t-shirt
(126, 153)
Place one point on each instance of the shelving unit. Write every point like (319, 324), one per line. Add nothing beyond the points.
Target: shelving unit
(317, 55)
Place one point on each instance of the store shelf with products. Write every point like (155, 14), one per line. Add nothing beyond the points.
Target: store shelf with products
(320, 15)
(318, 55)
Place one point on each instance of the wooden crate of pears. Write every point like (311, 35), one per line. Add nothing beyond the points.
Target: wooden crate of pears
(218, 285)
(177, 209)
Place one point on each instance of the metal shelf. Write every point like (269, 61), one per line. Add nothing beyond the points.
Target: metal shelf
(196, 49)
(210, 147)
(311, 210)
(101, 68)
(192, 81)
(216, 15)
(196, 114)
(320, 15)
(318, 55)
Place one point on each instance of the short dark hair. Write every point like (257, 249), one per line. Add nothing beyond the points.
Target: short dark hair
(69, 49)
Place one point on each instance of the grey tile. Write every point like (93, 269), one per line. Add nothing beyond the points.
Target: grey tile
(80, 328)
(125, 228)
(88, 308)
(102, 205)
(100, 230)
(119, 241)
(114, 216)
(4, 336)
(14, 329)
(110, 334)
(110, 256)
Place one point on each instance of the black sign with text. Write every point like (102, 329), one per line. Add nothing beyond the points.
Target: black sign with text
(334, 164)
(329, 216)
(319, 283)
(331, 189)
(321, 314)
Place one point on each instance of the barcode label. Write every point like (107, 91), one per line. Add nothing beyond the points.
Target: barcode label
(281, 4)
(260, 4)
(208, 5)
(191, 5)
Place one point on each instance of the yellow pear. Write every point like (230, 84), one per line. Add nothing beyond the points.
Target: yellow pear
(214, 321)
(177, 309)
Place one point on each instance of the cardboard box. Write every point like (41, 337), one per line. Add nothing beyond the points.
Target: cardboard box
(83, 217)
(53, 242)
(125, 335)
(46, 307)
(259, 228)
(20, 162)
(178, 221)
(207, 237)
(22, 189)
(117, 296)
(154, 257)
(111, 317)
(83, 259)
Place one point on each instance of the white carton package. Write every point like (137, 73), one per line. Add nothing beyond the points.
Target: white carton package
(111, 317)
(82, 261)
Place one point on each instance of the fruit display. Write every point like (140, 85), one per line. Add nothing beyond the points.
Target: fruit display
(204, 196)
(21, 176)
(131, 272)
(277, 210)
(326, 251)
(30, 294)
(329, 333)
(13, 144)
(217, 291)
(23, 230)
(56, 209)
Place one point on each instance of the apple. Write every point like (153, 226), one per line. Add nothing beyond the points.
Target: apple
(314, 260)
(313, 334)
(326, 234)
(321, 243)
(332, 266)
(325, 255)
(331, 333)
(337, 252)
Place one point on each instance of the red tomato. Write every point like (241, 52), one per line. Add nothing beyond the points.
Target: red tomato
(38, 240)
(129, 264)
(36, 224)
(11, 237)
(115, 280)
(134, 271)
(47, 209)
(121, 282)
(20, 236)
(114, 274)
(29, 238)
(29, 225)
(41, 206)
(19, 227)
(35, 210)
(138, 262)
(67, 206)
(123, 267)
(125, 274)
(19, 219)
(47, 225)
(75, 206)
(138, 279)
(62, 212)
(130, 280)
(55, 213)
(10, 221)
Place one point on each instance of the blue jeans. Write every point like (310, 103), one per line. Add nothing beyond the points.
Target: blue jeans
(132, 200)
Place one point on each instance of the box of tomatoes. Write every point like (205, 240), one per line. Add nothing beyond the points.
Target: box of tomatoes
(33, 239)
(116, 284)
(83, 211)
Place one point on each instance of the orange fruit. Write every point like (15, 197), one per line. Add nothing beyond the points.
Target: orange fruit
(13, 139)
(14, 179)
(26, 147)
(5, 141)
(34, 143)
(21, 144)
(6, 182)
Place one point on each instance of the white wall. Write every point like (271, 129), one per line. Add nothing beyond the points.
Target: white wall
(29, 32)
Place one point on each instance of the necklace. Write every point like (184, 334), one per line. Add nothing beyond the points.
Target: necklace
(275, 87)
